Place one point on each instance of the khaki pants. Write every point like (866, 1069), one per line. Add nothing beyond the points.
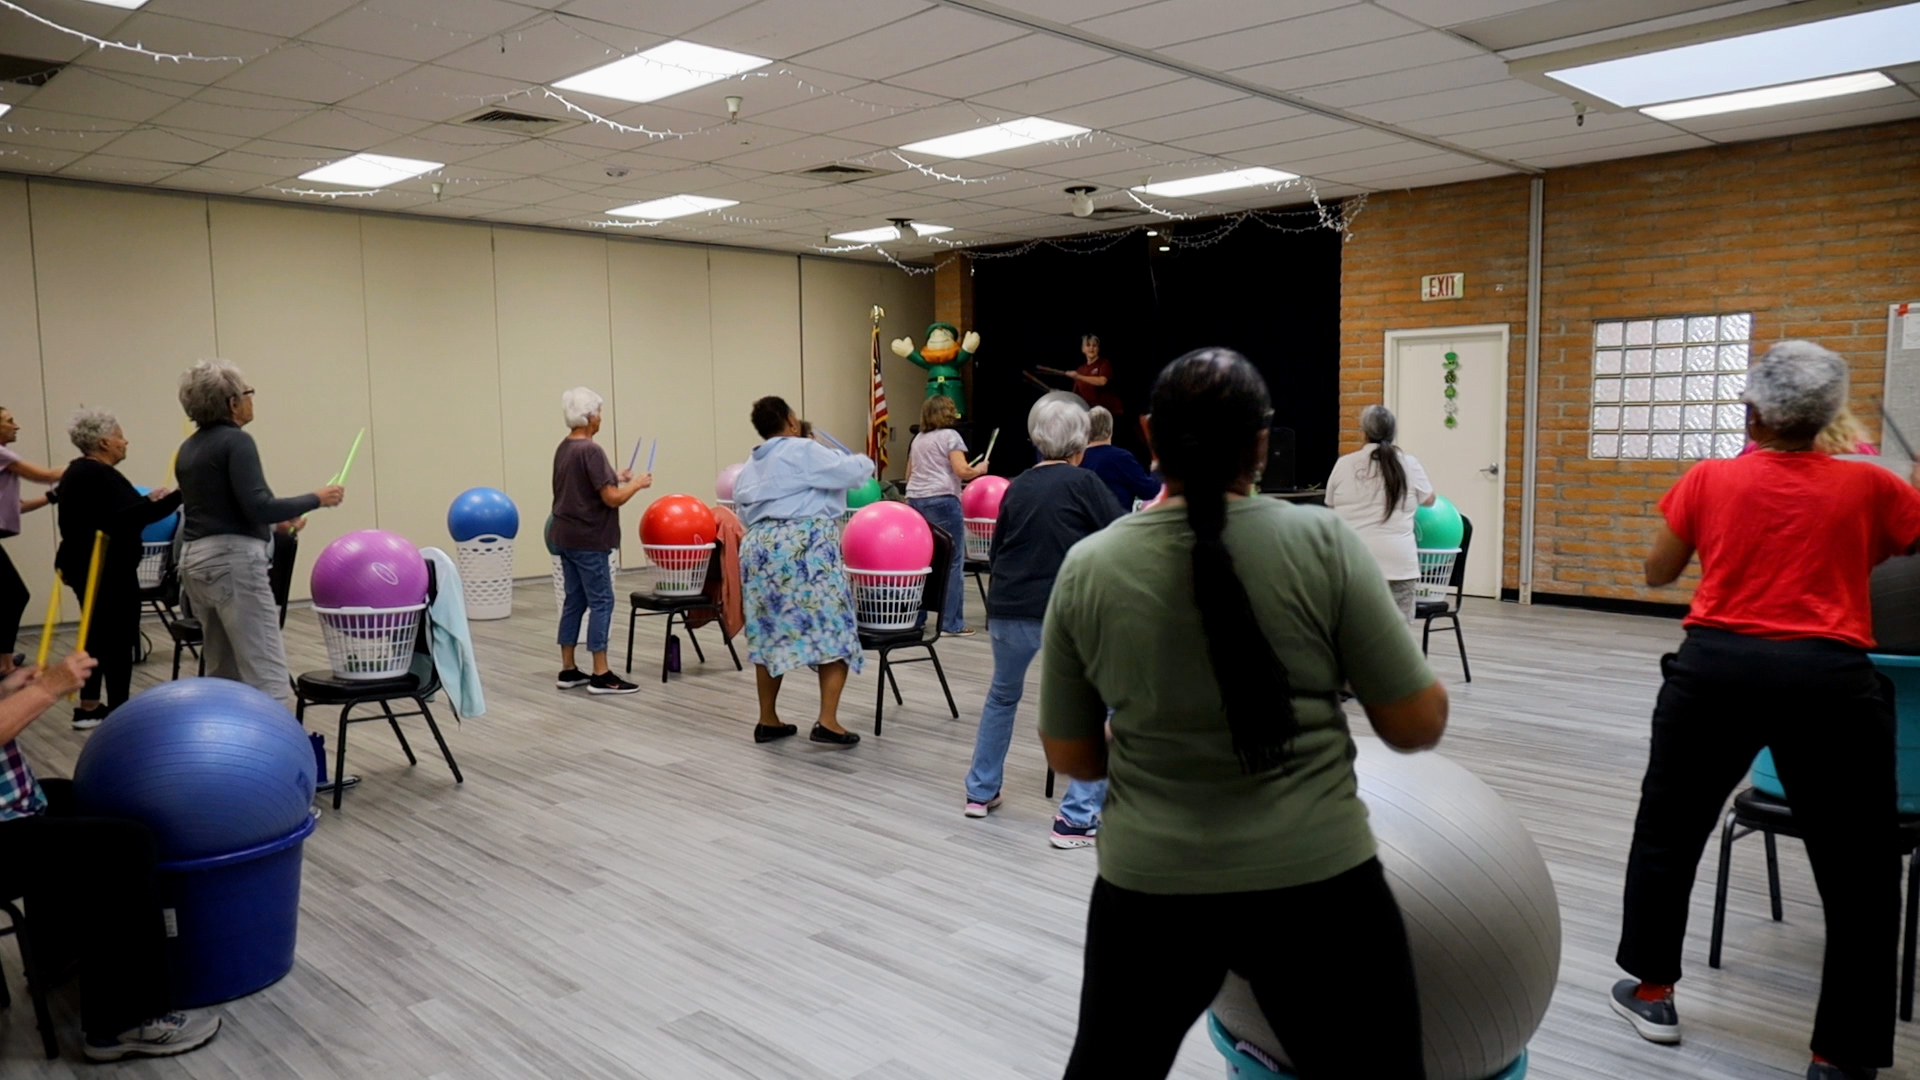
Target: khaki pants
(224, 582)
(1403, 595)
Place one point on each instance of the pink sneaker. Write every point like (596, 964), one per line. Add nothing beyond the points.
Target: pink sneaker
(979, 809)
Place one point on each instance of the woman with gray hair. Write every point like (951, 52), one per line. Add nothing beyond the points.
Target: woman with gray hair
(227, 535)
(587, 497)
(1045, 511)
(96, 498)
(1115, 466)
(1776, 656)
(1376, 490)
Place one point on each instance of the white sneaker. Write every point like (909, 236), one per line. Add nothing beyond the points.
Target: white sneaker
(162, 1036)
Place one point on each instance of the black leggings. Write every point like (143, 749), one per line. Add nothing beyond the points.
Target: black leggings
(1822, 708)
(13, 603)
(1328, 963)
(110, 639)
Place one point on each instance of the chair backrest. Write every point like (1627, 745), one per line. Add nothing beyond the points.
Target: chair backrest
(933, 598)
(286, 549)
(1458, 582)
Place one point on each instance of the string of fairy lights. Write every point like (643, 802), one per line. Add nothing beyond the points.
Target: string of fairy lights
(1316, 215)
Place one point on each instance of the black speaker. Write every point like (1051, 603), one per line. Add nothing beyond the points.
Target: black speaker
(1280, 471)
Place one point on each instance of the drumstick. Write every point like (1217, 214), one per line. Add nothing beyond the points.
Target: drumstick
(53, 617)
(93, 587)
(1893, 429)
(650, 453)
(634, 458)
(995, 437)
(1028, 375)
(1053, 371)
(836, 442)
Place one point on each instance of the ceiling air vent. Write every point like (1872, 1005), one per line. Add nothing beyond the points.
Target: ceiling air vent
(1108, 213)
(839, 174)
(27, 71)
(517, 122)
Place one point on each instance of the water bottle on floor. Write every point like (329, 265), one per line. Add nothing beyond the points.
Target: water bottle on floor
(673, 652)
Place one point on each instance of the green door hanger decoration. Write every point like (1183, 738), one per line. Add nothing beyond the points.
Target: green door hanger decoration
(1452, 367)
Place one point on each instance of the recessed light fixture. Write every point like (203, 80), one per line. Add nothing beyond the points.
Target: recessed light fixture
(127, 4)
(1226, 181)
(370, 171)
(1153, 232)
(5, 108)
(885, 233)
(1772, 95)
(1164, 247)
(1866, 41)
(662, 71)
(672, 206)
(994, 138)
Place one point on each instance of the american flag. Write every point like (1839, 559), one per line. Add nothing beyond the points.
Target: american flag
(878, 431)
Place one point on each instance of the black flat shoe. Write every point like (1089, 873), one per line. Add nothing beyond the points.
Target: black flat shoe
(836, 738)
(764, 733)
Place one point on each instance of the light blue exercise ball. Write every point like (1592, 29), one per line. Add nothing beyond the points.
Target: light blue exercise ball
(159, 532)
(482, 511)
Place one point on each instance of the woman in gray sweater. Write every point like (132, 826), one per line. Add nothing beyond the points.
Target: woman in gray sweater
(227, 534)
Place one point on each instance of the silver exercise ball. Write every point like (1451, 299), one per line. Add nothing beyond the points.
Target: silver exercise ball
(1482, 918)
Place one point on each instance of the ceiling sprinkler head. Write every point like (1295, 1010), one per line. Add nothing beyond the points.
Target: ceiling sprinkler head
(1080, 197)
(733, 107)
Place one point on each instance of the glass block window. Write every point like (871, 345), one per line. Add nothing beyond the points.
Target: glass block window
(1670, 387)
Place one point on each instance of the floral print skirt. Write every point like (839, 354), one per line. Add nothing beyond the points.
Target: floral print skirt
(799, 604)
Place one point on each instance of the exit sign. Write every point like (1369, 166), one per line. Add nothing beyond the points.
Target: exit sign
(1443, 286)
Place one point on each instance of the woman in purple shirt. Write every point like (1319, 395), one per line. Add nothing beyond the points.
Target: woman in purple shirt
(13, 592)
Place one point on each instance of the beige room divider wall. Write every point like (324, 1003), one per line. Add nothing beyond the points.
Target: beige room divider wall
(450, 342)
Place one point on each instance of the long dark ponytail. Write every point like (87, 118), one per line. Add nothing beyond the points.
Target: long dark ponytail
(1378, 426)
(1209, 408)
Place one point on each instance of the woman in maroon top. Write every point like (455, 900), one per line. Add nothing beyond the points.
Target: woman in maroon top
(1776, 656)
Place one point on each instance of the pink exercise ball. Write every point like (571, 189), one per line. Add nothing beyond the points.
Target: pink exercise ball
(887, 536)
(981, 499)
(371, 568)
(723, 484)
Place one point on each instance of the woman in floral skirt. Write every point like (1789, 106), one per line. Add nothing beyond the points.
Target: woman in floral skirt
(798, 602)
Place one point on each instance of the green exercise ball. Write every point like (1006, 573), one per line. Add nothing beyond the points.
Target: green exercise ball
(868, 492)
(546, 533)
(1437, 527)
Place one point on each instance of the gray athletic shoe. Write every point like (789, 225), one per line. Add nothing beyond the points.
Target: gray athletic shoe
(1656, 1021)
(162, 1036)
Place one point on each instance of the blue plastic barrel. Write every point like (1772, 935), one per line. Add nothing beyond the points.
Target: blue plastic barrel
(1904, 673)
(1244, 1066)
(232, 919)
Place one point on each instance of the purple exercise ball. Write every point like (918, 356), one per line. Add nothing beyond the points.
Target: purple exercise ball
(371, 568)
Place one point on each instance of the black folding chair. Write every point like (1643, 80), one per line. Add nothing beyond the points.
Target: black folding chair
(39, 980)
(1429, 611)
(683, 608)
(886, 642)
(421, 682)
(979, 570)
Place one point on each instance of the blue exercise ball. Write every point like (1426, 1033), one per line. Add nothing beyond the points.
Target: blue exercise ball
(160, 532)
(212, 766)
(482, 511)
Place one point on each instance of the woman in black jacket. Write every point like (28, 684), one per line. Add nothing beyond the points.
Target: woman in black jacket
(94, 497)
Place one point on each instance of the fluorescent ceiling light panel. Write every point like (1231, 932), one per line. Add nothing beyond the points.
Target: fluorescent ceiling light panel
(662, 71)
(994, 138)
(127, 4)
(885, 233)
(5, 109)
(1226, 181)
(370, 171)
(1885, 38)
(672, 206)
(1772, 95)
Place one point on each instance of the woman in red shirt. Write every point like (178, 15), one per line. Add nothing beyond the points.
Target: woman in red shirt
(1776, 655)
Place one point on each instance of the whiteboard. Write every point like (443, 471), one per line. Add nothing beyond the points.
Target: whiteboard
(1902, 401)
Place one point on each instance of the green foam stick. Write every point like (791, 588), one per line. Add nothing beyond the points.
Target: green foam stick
(340, 478)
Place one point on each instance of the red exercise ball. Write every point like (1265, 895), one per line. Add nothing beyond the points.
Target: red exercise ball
(677, 521)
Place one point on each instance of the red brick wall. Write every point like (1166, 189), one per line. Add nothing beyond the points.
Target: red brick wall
(1814, 234)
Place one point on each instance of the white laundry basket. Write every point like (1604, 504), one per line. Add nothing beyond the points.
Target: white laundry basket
(979, 538)
(1436, 573)
(486, 569)
(155, 558)
(679, 569)
(888, 599)
(365, 644)
(560, 590)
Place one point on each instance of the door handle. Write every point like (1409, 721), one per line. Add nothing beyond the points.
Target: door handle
(1492, 470)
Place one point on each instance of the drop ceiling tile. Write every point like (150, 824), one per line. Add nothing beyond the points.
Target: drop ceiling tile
(1181, 95)
(25, 37)
(906, 127)
(1465, 99)
(1398, 67)
(529, 157)
(1239, 140)
(826, 113)
(278, 19)
(822, 198)
(35, 159)
(232, 112)
(221, 181)
(612, 132)
(1336, 166)
(722, 143)
(1035, 56)
(31, 125)
(1525, 112)
(344, 130)
(318, 73)
(115, 170)
(185, 148)
(1456, 12)
(1094, 82)
(438, 93)
(1792, 119)
(1354, 24)
(777, 87)
(110, 94)
(1601, 129)
(164, 34)
(670, 18)
(1170, 22)
(802, 153)
(902, 46)
(267, 157)
(1545, 157)
(443, 142)
(549, 51)
(1599, 145)
(1184, 126)
(419, 29)
(783, 29)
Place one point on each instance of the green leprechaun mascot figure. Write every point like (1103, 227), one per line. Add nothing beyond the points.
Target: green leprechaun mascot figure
(943, 357)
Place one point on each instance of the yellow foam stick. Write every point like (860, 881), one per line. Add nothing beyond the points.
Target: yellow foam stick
(93, 586)
(53, 619)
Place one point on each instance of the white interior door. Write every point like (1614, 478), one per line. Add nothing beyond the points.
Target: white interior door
(1467, 461)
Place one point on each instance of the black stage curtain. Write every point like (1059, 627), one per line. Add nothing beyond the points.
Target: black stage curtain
(1272, 296)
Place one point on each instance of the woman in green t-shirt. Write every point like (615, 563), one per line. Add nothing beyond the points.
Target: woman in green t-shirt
(1220, 627)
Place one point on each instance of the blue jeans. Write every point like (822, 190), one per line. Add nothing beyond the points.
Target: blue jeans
(1015, 642)
(589, 580)
(944, 511)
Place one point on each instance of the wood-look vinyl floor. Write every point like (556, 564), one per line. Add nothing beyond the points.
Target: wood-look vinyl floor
(629, 887)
